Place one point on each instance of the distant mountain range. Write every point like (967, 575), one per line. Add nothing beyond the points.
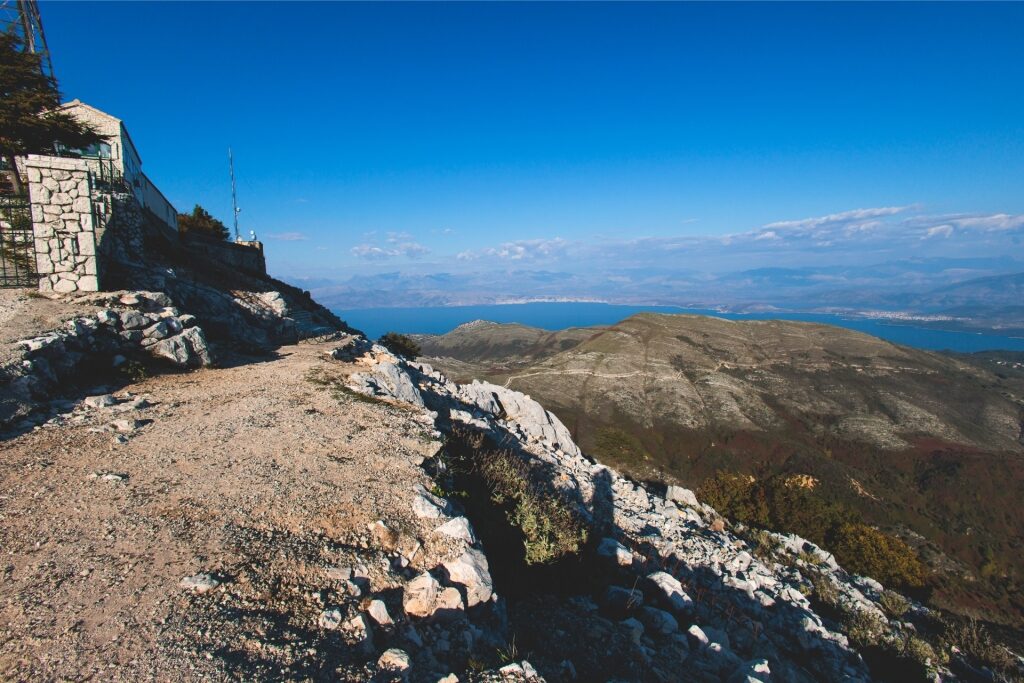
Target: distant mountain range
(928, 445)
(979, 293)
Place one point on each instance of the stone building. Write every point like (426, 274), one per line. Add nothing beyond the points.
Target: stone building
(117, 157)
(90, 207)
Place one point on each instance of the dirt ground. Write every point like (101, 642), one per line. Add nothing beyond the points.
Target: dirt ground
(25, 313)
(261, 475)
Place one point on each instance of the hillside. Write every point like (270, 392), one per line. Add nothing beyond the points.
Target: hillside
(328, 511)
(921, 443)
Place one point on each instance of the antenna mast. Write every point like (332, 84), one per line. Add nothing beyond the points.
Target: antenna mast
(22, 18)
(234, 197)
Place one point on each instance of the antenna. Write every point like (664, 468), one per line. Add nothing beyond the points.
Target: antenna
(22, 18)
(234, 197)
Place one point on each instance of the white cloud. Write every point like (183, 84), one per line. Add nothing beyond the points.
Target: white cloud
(288, 236)
(938, 231)
(999, 222)
(865, 235)
(528, 250)
(396, 249)
(843, 218)
(398, 237)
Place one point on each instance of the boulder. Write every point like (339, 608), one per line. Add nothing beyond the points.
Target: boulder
(657, 621)
(612, 549)
(634, 628)
(108, 317)
(458, 528)
(133, 320)
(173, 349)
(157, 330)
(420, 596)
(449, 602)
(698, 639)
(196, 341)
(101, 401)
(330, 619)
(753, 670)
(471, 571)
(677, 494)
(390, 380)
(426, 505)
(668, 592)
(199, 583)
(378, 611)
(395, 660)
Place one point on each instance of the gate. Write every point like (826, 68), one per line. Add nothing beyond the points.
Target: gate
(17, 243)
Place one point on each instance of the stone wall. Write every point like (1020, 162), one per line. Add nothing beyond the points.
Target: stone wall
(64, 225)
(247, 256)
(71, 214)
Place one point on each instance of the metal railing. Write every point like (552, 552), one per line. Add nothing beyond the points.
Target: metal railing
(17, 243)
(105, 175)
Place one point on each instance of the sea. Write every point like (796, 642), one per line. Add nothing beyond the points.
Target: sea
(560, 315)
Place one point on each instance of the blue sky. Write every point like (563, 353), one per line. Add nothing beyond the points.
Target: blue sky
(422, 138)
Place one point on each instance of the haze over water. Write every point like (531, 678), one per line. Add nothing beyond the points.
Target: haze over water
(556, 316)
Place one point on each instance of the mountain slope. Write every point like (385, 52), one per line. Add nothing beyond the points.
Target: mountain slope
(921, 443)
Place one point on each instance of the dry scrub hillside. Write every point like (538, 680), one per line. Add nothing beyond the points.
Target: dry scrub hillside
(927, 445)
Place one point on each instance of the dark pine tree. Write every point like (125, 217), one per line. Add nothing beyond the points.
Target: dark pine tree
(201, 222)
(30, 122)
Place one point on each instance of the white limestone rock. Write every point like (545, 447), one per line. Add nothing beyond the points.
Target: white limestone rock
(378, 611)
(420, 596)
(199, 583)
(458, 528)
(426, 505)
(669, 592)
(330, 619)
(101, 401)
(471, 571)
(615, 551)
(395, 660)
(678, 494)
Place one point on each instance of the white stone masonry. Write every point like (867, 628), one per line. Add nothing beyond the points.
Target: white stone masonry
(63, 225)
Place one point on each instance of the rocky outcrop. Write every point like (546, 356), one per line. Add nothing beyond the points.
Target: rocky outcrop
(128, 326)
(687, 589)
(243, 310)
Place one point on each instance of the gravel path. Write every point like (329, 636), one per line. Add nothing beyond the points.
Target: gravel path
(261, 475)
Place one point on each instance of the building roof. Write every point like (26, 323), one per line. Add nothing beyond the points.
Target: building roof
(75, 103)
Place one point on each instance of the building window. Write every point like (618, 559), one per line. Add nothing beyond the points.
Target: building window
(98, 150)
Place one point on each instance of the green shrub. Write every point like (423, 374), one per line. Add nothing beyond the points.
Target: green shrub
(550, 527)
(617, 446)
(773, 503)
(868, 551)
(865, 629)
(894, 604)
(975, 641)
(920, 650)
(133, 371)
(763, 544)
(400, 345)
(513, 505)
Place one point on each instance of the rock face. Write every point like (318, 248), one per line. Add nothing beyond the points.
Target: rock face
(668, 547)
(140, 325)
